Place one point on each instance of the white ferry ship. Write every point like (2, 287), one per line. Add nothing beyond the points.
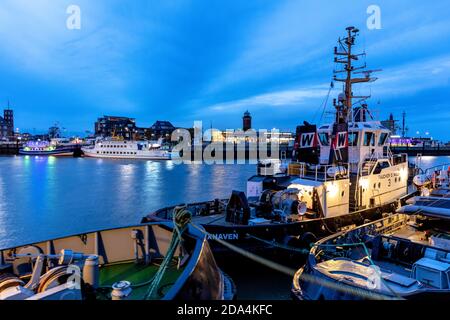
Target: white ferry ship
(117, 149)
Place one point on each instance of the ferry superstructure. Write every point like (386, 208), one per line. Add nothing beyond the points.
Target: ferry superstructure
(123, 149)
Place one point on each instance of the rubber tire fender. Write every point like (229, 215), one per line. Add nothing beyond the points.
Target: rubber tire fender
(307, 239)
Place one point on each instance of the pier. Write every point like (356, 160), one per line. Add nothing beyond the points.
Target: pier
(9, 148)
(434, 151)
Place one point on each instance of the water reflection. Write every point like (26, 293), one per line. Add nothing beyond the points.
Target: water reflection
(49, 197)
(430, 161)
(3, 212)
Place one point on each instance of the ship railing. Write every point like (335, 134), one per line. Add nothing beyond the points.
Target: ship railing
(442, 168)
(321, 173)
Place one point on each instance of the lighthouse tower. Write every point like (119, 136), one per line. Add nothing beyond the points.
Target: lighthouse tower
(247, 121)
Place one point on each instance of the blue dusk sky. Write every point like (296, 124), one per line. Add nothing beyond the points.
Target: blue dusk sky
(212, 60)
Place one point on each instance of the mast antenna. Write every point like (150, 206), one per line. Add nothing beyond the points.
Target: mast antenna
(344, 55)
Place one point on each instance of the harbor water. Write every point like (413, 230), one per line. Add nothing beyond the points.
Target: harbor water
(48, 197)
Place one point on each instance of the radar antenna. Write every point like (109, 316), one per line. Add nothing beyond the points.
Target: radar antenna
(344, 55)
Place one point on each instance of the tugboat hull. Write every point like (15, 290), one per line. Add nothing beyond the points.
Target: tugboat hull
(287, 242)
(110, 259)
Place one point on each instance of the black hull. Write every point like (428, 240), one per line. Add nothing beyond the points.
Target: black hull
(287, 243)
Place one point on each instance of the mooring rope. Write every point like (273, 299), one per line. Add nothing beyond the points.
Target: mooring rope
(365, 294)
(181, 219)
(279, 245)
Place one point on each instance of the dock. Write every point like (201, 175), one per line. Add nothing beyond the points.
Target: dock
(9, 148)
(423, 150)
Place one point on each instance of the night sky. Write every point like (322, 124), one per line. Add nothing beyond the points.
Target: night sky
(212, 60)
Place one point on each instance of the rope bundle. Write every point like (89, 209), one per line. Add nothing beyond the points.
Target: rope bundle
(181, 219)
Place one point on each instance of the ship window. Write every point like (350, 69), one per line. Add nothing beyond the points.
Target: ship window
(380, 166)
(369, 139)
(353, 139)
(324, 139)
(383, 138)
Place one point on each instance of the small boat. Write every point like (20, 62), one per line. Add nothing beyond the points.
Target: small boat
(123, 149)
(46, 148)
(343, 174)
(405, 256)
(141, 262)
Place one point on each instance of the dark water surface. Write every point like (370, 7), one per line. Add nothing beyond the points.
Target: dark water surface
(42, 198)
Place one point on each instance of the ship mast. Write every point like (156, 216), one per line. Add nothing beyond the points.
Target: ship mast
(344, 55)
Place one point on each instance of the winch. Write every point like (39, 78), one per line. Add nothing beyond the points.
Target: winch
(39, 276)
(286, 203)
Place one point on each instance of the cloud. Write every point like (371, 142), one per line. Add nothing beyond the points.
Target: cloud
(277, 99)
(412, 77)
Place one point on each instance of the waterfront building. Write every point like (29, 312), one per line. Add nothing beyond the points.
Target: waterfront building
(247, 121)
(237, 137)
(391, 124)
(141, 133)
(7, 124)
(122, 127)
(160, 129)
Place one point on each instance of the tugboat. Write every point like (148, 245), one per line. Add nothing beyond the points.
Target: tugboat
(342, 174)
(405, 256)
(153, 261)
(122, 149)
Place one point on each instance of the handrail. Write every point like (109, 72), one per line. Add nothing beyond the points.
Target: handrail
(441, 166)
(320, 172)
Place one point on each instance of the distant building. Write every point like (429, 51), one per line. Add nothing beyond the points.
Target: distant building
(7, 124)
(391, 124)
(258, 137)
(141, 133)
(247, 121)
(109, 126)
(160, 129)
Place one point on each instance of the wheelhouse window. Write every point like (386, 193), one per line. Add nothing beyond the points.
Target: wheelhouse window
(324, 139)
(369, 139)
(380, 166)
(383, 139)
(353, 139)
